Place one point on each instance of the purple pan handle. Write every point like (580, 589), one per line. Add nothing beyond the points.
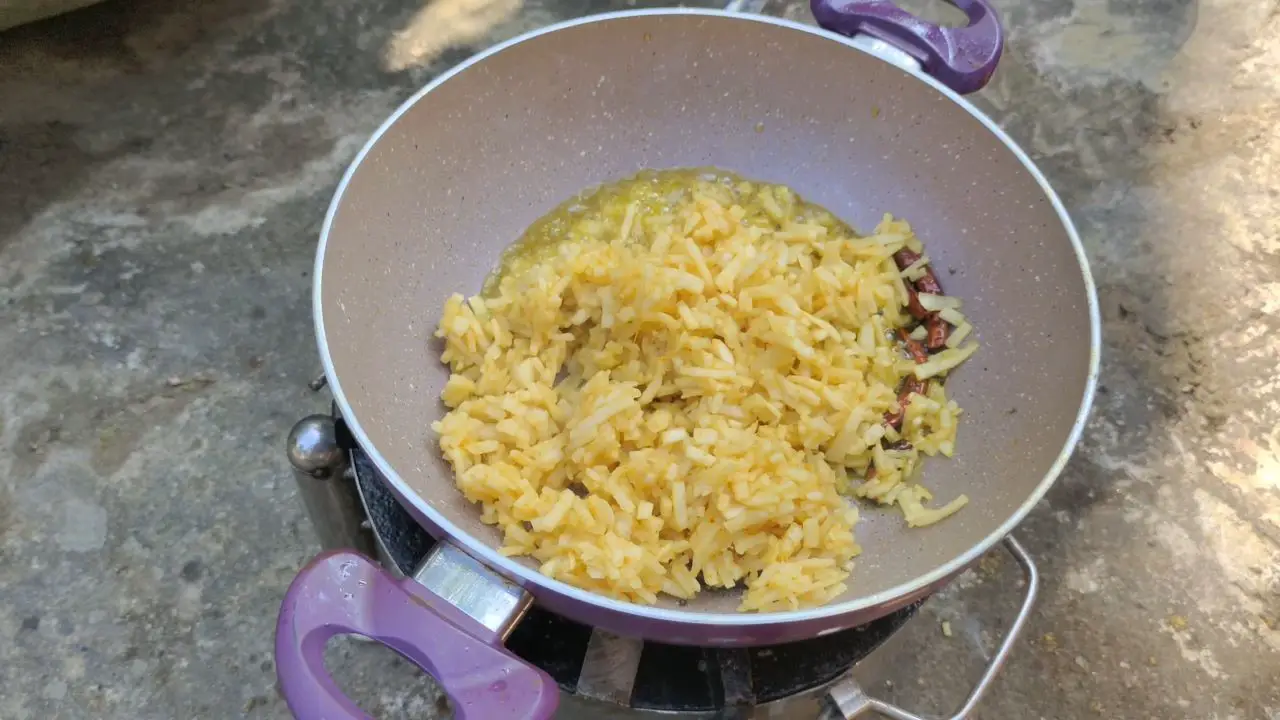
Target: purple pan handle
(344, 592)
(962, 58)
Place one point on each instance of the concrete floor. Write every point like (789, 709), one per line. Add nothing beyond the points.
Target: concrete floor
(163, 173)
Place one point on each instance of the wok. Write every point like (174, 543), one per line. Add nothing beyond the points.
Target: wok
(862, 118)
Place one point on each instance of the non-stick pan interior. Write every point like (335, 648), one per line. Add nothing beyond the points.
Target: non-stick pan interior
(462, 172)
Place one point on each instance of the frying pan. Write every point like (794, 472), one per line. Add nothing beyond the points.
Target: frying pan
(864, 117)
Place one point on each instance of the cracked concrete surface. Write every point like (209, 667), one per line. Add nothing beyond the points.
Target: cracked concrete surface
(163, 173)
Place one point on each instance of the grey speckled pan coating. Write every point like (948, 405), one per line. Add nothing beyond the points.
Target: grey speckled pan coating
(462, 170)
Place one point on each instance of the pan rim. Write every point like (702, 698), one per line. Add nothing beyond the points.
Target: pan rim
(528, 577)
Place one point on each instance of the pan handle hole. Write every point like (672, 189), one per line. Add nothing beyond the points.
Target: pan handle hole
(382, 682)
(935, 11)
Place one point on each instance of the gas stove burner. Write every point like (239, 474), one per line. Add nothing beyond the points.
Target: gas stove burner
(645, 676)
(603, 676)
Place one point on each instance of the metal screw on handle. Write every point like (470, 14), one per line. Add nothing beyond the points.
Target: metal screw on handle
(851, 701)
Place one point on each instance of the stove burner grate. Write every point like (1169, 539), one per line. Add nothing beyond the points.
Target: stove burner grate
(668, 678)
